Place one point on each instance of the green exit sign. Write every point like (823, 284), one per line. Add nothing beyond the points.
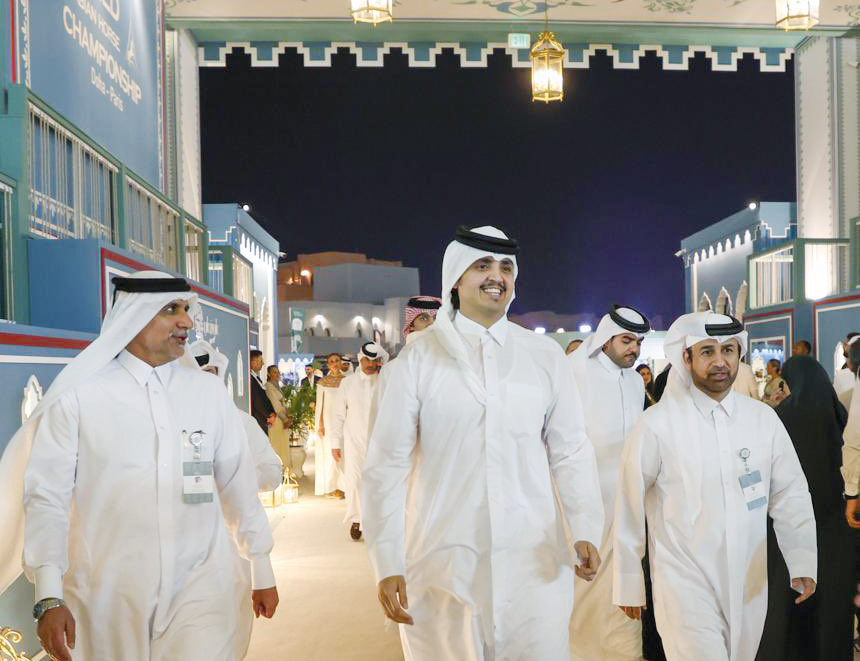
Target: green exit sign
(519, 40)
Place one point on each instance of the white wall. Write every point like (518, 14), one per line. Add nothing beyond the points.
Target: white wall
(188, 125)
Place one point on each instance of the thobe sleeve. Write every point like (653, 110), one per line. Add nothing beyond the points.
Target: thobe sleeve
(318, 427)
(572, 461)
(48, 484)
(267, 463)
(640, 464)
(790, 508)
(236, 478)
(851, 448)
(337, 417)
(386, 470)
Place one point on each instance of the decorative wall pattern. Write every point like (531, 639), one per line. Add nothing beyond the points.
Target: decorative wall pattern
(474, 54)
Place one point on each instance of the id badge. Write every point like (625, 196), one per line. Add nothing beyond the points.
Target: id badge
(753, 489)
(198, 474)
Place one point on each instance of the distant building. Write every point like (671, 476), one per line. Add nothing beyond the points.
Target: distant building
(715, 258)
(334, 302)
(243, 261)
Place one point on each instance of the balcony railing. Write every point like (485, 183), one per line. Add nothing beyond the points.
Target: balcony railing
(72, 186)
(772, 277)
(152, 225)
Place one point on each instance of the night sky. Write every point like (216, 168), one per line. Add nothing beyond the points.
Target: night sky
(599, 189)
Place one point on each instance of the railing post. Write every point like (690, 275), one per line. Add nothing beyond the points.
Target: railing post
(122, 220)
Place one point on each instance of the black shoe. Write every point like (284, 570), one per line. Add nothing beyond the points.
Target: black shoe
(355, 531)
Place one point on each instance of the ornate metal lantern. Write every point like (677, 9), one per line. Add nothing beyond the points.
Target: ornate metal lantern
(796, 14)
(371, 11)
(547, 56)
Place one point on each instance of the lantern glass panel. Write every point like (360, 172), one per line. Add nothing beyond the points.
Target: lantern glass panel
(371, 11)
(547, 62)
(797, 14)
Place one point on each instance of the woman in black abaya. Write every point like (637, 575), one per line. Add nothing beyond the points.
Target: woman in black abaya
(821, 628)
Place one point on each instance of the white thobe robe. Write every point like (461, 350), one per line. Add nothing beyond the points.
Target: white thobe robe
(350, 431)
(843, 381)
(145, 575)
(267, 463)
(328, 473)
(708, 550)
(458, 495)
(612, 401)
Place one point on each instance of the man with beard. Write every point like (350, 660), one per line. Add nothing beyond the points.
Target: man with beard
(613, 397)
(139, 471)
(477, 460)
(707, 466)
(350, 427)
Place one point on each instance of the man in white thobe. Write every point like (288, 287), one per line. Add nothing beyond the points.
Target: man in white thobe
(125, 535)
(478, 431)
(613, 397)
(706, 466)
(350, 428)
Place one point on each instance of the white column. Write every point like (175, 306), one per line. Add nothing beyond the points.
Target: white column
(827, 116)
(188, 125)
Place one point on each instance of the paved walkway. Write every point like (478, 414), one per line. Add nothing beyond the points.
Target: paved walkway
(328, 608)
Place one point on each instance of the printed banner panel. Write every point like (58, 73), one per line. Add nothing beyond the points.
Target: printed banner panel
(98, 63)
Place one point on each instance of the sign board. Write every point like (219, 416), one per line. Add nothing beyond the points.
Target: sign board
(519, 40)
(99, 64)
(297, 329)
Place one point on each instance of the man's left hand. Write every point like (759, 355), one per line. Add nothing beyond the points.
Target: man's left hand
(336, 454)
(806, 586)
(265, 601)
(589, 560)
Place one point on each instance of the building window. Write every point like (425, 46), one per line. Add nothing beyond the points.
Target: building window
(771, 277)
(152, 225)
(216, 270)
(72, 186)
(193, 244)
(243, 283)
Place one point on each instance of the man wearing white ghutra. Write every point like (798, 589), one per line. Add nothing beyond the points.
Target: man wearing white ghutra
(707, 466)
(135, 461)
(477, 462)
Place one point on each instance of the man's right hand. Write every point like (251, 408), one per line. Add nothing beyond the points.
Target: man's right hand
(56, 629)
(851, 512)
(392, 596)
(633, 612)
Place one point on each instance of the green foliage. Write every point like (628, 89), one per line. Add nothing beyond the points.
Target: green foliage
(300, 404)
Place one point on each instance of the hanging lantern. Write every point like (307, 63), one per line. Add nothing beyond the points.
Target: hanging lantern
(796, 14)
(547, 58)
(371, 11)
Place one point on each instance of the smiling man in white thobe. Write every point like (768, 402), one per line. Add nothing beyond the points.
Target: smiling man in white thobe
(478, 430)
(707, 466)
(613, 397)
(138, 461)
(350, 427)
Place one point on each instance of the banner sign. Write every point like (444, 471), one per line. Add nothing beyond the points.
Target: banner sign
(99, 64)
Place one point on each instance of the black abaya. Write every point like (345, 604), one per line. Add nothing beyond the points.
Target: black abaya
(820, 629)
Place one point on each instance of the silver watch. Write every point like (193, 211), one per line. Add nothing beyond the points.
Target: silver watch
(45, 605)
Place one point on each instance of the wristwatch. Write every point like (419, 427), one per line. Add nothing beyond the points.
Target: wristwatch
(45, 605)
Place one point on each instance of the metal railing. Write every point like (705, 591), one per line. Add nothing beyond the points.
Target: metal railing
(193, 247)
(772, 277)
(72, 186)
(152, 225)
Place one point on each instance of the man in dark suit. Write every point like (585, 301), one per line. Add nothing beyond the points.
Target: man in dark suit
(261, 407)
(309, 379)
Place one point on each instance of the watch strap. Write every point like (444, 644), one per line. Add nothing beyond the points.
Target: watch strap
(45, 605)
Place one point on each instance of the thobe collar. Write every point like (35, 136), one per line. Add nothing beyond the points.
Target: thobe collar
(707, 405)
(141, 371)
(467, 327)
(607, 362)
